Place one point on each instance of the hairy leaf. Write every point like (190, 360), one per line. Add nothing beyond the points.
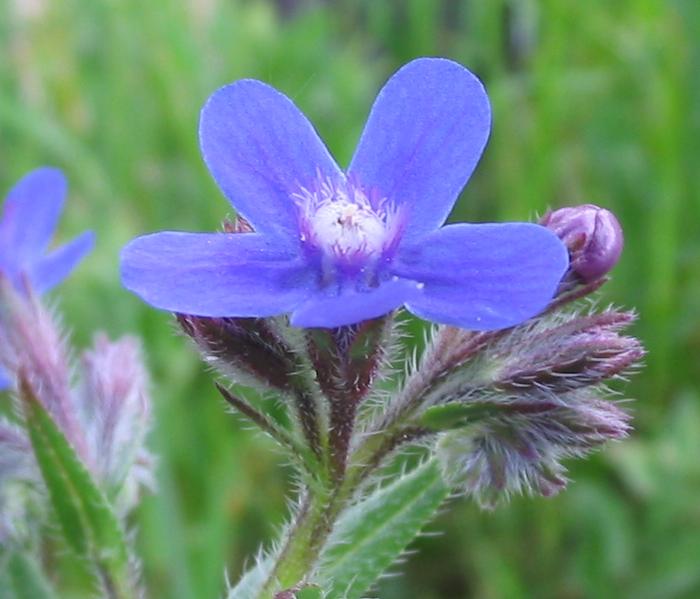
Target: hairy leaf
(25, 578)
(372, 534)
(85, 516)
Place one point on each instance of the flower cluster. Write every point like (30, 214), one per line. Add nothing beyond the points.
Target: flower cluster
(530, 398)
(298, 297)
(105, 416)
(504, 397)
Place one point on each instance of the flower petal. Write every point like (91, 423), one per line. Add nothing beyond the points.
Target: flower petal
(214, 274)
(5, 381)
(351, 306)
(49, 271)
(484, 277)
(423, 139)
(31, 212)
(260, 149)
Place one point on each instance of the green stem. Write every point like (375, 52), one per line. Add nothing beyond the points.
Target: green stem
(326, 496)
(313, 523)
(318, 513)
(305, 539)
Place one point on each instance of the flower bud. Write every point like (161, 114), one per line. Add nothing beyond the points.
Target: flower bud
(580, 351)
(32, 341)
(519, 447)
(593, 236)
(117, 412)
(556, 354)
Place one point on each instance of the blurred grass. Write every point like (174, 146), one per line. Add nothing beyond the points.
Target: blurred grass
(593, 102)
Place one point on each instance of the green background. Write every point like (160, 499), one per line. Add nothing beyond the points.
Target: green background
(593, 101)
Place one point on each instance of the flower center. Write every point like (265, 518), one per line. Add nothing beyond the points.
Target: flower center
(346, 228)
(345, 222)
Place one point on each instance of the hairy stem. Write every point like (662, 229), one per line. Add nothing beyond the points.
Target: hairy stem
(305, 539)
(308, 417)
(339, 359)
(449, 348)
(342, 419)
(320, 509)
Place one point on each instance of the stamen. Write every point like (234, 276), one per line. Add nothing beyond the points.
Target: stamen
(342, 221)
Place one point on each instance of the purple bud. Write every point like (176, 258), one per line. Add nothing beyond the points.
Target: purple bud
(519, 449)
(32, 341)
(105, 417)
(593, 236)
(116, 413)
(552, 355)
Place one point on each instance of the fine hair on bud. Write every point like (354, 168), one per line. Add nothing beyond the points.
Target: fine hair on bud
(518, 450)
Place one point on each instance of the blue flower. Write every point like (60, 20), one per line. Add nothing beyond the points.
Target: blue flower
(333, 247)
(29, 217)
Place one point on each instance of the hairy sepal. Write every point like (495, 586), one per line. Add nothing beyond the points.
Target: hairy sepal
(347, 359)
(251, 583)
(551, 355)
(518, 447)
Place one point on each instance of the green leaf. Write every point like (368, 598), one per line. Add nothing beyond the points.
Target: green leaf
(445, 416)
(455, 415)
(372, 534)
(309, 593)
(26, 579)
(85, 516)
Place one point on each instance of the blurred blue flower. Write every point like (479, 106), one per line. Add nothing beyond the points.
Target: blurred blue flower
(29, 217)
(334, 248)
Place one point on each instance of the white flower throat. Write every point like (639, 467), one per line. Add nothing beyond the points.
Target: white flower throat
(341, 220)
(348, 228)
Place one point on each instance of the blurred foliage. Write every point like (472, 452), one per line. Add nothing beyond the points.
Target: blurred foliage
(593, 102)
